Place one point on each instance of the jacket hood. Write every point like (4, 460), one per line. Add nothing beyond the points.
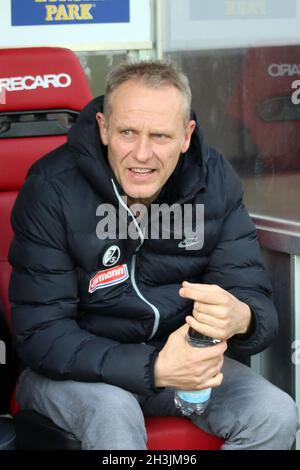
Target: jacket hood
(91, 156)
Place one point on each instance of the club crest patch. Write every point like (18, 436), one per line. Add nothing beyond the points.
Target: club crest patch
(109, 277)
(111, 256)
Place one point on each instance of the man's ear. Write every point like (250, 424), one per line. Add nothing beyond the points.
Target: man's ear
(102, 127)
(187, 136)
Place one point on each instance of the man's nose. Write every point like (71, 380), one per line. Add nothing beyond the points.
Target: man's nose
(143, 150)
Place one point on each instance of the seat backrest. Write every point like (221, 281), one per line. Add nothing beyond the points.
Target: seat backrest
(262, 101)
(42, 91)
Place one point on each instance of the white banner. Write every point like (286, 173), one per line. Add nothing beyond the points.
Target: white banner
(77, 24)
(213, 24)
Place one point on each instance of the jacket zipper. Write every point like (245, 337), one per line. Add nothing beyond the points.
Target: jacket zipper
(133, 265)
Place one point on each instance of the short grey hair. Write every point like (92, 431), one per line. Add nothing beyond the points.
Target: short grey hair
(154, 74)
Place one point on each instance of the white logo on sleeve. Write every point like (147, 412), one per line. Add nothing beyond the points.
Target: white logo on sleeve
(187, 242)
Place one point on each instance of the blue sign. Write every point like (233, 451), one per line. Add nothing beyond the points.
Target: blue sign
(55, 12)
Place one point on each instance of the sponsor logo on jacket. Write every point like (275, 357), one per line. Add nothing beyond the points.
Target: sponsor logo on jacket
(108, 277)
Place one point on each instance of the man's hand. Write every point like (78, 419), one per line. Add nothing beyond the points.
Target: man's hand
(183, 366)
(216, 312)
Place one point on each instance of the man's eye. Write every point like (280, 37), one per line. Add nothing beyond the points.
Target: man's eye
(127, 132)
(160, 137)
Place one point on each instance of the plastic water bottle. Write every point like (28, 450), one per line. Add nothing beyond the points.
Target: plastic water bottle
(190, 402)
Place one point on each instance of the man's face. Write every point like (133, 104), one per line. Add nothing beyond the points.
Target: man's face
(145, 134)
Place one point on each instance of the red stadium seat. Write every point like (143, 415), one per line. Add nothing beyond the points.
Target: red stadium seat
(262, 102)
(35, 108)
(42, 92)
(169, 433)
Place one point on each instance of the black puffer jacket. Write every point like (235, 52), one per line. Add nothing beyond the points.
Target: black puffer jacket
(67, 330)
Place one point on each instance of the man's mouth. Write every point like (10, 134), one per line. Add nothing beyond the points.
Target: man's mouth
(142, 171)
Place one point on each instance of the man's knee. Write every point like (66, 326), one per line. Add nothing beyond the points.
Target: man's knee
(277, 420)
(114, 420)
(114, 404)
(283, 410)
(110, 397)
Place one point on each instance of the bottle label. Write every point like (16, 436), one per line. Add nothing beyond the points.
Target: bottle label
(196, 396)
